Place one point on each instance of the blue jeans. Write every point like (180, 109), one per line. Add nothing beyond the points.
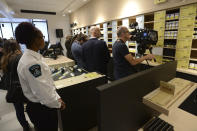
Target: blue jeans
(19, 107)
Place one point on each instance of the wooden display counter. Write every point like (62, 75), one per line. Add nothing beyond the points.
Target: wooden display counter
(188, 74)
(79, 94)
(187, 71)
(165, 98)
(77, 79)
(178, 118)
(59, 62)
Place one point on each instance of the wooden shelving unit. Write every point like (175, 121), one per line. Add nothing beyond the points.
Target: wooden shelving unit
(170, 34)
(149, 21)
(193, 56)
(177, 34)
(102, 32)
(119, 23)
(132, 44)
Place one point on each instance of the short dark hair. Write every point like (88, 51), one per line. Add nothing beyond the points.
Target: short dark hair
(26, 33)
(81, 37)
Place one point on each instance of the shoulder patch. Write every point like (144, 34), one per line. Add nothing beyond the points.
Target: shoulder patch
(35, 70)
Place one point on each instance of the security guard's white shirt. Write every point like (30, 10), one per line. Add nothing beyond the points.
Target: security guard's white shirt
(37, 83)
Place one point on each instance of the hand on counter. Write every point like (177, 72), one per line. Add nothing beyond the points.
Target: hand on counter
(63, 105)
(149, 57)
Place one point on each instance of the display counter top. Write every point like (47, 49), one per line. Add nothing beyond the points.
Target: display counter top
(60, 61)
(76, 80)
(187, 71)
(180, 119)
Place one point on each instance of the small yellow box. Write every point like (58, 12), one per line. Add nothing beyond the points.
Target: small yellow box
(132, 44)
(176, 15)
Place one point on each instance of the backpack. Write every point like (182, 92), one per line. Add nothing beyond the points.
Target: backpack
(14, 89)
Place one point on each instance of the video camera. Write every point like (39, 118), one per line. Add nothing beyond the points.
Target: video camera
(144, 38)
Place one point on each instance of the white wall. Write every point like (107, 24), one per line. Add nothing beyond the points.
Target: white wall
(54, 22)
(98, 11)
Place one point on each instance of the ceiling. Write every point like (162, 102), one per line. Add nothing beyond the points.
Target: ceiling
(58, 6)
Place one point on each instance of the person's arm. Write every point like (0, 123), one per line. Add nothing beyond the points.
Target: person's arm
(125, 52)
(38, 79)
(133, 61)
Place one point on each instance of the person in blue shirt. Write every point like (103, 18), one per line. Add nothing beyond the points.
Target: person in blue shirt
(123, 60)
(76, 49)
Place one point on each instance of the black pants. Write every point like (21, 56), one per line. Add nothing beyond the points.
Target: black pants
(43, 118)
(19, 107)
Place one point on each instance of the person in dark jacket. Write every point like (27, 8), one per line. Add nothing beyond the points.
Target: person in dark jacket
(11, 54)
(1, 49)
(68, 44)
(95, 52)
(76, 49)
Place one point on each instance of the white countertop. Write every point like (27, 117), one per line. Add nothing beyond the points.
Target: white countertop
(76, 80)
(187, 71)
(59, 62)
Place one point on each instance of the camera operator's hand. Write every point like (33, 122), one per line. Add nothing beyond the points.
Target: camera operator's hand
(149, 57)
(63, 105)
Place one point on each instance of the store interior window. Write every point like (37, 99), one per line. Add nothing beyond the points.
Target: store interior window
(7, 30)
(1, 33)
(42, 25)
(14, 25)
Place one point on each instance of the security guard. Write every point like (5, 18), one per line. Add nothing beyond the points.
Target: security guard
(123, 60)
(36, 81)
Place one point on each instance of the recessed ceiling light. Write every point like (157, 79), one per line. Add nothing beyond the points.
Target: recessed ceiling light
(84, 0)
(63, 15)
(69, 11)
